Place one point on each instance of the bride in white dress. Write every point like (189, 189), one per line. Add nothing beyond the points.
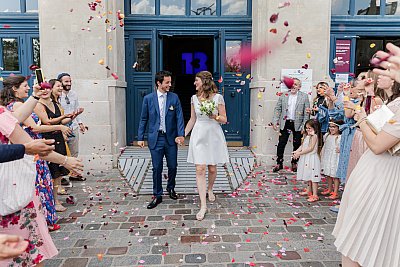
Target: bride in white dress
(207, 146)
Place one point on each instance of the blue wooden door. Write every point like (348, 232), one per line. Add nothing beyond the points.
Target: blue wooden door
(235, 87)
(18, 52)
(140, 47)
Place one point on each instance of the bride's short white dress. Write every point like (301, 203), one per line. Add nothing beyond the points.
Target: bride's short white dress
(207, 142)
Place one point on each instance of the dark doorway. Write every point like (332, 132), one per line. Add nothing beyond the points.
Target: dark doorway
(367, 47)
(184, 56)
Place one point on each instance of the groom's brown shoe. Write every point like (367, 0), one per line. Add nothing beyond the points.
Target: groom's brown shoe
(172, 194)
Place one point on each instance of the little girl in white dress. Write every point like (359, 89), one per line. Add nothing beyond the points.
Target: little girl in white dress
(330, 159)
(207, 146)
(309, 165)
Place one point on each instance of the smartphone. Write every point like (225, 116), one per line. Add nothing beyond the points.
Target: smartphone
(39, 76)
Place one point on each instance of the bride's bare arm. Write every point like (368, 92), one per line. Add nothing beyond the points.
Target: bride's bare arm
(191, 122)
(221, 118)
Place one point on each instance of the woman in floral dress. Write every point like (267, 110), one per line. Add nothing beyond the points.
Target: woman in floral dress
(15, 90)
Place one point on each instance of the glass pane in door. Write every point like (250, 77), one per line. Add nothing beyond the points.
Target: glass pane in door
(232, 56)
(10, 54)
(143, 55)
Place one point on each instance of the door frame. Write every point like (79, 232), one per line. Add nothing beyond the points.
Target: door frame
(216, 34)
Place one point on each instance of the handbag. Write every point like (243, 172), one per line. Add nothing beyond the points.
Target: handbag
(17, 184)
(378, 119)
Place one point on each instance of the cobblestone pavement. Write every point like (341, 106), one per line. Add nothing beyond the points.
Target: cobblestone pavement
(264, 223)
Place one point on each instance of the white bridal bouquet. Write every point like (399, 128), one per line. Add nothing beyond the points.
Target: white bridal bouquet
(207, 107)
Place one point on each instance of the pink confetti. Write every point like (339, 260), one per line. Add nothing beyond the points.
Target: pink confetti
(274, 18)
(114, 75)
(289, 82)
(286, 37)
(284, 4)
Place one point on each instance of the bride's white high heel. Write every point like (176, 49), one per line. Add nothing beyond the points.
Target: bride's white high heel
(211, 196)
(200, 215)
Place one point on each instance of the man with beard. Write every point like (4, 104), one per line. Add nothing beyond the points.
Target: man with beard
(70, 104)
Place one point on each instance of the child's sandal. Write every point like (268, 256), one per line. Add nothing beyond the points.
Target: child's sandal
(326, 192)
(333, 196)
(313, 198)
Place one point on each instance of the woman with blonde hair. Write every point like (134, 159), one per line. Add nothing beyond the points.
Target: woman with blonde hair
(207, 145)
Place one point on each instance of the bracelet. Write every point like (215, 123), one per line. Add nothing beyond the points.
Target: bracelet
(35, 97)
(65, 161)
(362, 120)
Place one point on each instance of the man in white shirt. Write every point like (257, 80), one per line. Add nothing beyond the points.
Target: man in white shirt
(289, 117)
(70, 104)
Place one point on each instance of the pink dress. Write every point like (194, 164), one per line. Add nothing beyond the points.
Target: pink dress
(358, 147)
(29, 223)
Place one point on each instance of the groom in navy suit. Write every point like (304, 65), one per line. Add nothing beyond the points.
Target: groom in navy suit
(163, 112)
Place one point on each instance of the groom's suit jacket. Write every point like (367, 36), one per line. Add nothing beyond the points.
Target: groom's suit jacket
(151, 115)
(301, 116)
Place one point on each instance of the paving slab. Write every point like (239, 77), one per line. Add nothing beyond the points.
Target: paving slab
(260, 224)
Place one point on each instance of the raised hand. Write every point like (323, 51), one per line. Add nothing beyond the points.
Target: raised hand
(389, 62)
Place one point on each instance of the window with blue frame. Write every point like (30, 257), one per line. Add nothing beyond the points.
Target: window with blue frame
(10, 54)
(143, 7)
(203, 7)
(19, 6)
(392, 7)
(192, 8)
(234, 7)
(366, 7)
(32, 6)
(173, 7)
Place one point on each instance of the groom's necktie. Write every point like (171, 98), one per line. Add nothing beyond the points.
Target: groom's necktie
(162, 113)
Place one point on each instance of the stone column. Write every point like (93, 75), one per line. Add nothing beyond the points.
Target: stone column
(76, 39)
(308, 19)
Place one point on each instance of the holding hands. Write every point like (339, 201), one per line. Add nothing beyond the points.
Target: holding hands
(296, 154)
(180, 140)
